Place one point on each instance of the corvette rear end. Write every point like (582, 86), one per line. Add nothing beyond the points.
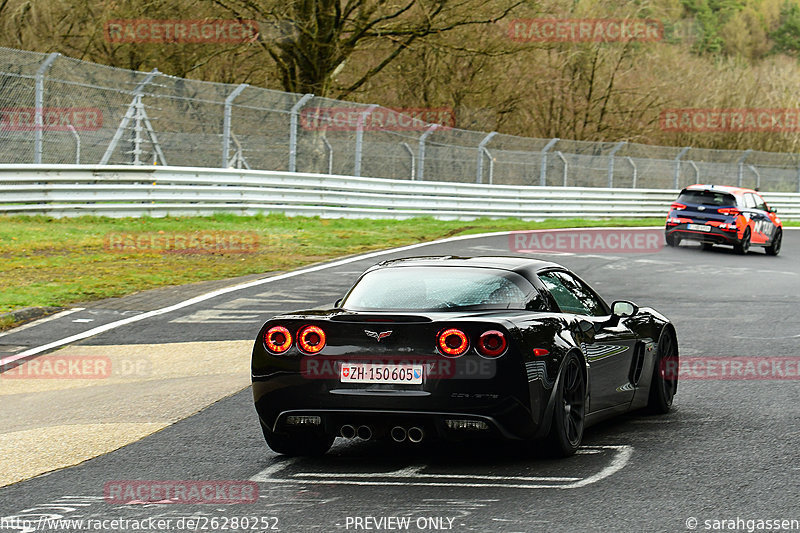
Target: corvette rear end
(456, 348)
(399, 377)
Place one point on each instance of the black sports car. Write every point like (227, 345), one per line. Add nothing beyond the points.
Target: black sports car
(454, 348)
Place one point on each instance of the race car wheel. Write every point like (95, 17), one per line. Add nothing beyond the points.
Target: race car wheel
(775, 247)
(744, 245)
(707, 246)
(672, 240)
(298, 444)
(566, 429)
(664, 382)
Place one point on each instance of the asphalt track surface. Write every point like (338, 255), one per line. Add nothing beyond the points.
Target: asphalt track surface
(728, 451)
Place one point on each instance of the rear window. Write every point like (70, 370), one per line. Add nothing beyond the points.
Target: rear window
(714, 198)
(439, 288)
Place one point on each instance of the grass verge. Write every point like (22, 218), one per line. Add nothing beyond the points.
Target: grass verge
(55, 262)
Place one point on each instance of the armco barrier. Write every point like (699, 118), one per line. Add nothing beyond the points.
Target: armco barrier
(116, 191)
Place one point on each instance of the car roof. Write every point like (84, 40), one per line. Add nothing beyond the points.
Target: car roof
(721, 188)
(511, 263)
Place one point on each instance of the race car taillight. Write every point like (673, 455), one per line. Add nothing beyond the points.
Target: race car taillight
(540, 352)
(453, 342)
(278, 339)
(311, 339)
(492, 343)
(678, 206)
(730, 211)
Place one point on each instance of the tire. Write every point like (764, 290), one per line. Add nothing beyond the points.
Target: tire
(744, 246)
(664, 383)
(707, 246)
(775, 247)
(301, 444)
(672, 241)
(569, 412)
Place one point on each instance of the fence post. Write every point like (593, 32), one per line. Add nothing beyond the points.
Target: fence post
(491, 165)
(741, 165)
(798, 179)
(758, 176)
(696, 171)
(329, 148)
(678, 165)
(413, 159)
(38, 109)
(481, 149)
(566, 166)
(611, 162)
(635, 172)
(226, 124)
(129, 114)
(543, 169)
(360, 137)
(421, 151)
(293, 130)
(77, 137)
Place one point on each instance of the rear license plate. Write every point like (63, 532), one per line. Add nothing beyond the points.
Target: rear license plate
(698, 227)
(379, 373)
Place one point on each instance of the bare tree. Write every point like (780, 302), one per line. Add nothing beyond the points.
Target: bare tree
(312, 41)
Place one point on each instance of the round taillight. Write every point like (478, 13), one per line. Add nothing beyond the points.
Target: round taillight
(278, 339)
(492, 343)
(453, 342)
(311, 339)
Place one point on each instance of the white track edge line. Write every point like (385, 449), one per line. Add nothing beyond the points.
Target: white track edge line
(203, 297)
(197, 299)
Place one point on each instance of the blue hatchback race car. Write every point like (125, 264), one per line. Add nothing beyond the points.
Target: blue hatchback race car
(718, 214)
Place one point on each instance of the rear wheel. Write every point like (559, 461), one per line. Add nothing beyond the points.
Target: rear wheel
(707, 246)
(744, 245)
(664, 383)
(566, 429)
(310, 444)
(775, 247)
(672, 240)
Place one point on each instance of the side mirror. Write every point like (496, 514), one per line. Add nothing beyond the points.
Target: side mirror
(623, 308)
(338, 303)
(773, 210)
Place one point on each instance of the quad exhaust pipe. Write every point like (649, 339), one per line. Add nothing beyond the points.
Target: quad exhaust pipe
(398, 434)
(413, 434)
(350, 432)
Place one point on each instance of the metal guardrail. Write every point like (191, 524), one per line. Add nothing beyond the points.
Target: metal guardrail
(115, 191)
(59, 110)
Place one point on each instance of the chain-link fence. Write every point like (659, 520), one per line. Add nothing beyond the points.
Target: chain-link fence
(54, 109)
